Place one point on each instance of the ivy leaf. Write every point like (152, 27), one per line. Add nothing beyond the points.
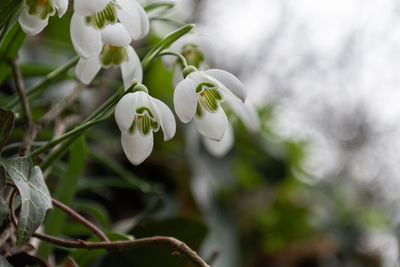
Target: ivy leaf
(35, 197)
(6, 125)
(4, 262)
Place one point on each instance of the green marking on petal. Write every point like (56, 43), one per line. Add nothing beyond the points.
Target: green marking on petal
(142, 110)
(101, 19)
(144, 122)
(199, 111)
(133, 126)
(208, 98)
(113, 55)
(40, 8)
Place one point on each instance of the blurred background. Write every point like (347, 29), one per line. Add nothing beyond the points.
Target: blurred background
(317, 186)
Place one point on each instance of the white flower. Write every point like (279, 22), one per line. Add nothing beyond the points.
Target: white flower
(91, 16)
(222, 147)
(197, 50)
(200, 95)
(138, 115)
(114, 51)
(35, 14)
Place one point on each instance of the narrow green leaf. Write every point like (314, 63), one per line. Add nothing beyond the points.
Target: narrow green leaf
(164, 44)
(51, 78)
(9, 47)
(35, 197)
(65, 192)
(6, 126)
(167, 5)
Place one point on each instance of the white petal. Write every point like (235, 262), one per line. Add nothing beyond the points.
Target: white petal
(177, 76)
(89, 7)
(116, 35)
(137, 147)
(87, 68)
(220, 148)
(132, 69)
(185, 100)
(31, 25)
(61, 6)
(125, 111)
(230, 81)
(212, 125)
(252, 120)
(85, 39)
(207, 49)
(164, 117)
(134, 18)
(245, 112)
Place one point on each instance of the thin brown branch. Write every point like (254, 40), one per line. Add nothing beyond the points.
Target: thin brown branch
(62, 207)
(81, 220)
(181, 247)
(47, 118)
(56, 110)
(26, 110)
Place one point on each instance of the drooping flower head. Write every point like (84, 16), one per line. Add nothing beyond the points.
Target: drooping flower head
(138, 115)
(35, 14)
(197, 50)
(114, 50)
(203, 96)
(92, 16)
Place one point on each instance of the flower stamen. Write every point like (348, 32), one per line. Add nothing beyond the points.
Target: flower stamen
(113, 55)
(101, 19)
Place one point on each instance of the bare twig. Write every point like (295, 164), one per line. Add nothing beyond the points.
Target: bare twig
(128, 244)
(19, 84)
(47, 118)
(80, 219)
(62, 207)
(56, 110)
(180, 246)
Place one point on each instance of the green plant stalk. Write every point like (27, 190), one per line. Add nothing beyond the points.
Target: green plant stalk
(164, 44)
(75, 132)
(179, 56)
(148, 59)
(64, 193)
(41, 86)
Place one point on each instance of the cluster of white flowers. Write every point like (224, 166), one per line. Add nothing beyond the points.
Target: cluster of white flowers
(101, 33)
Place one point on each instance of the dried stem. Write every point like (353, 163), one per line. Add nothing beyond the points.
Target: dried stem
(80, 219)
(51, 115)
(128, 244)
(19, 84)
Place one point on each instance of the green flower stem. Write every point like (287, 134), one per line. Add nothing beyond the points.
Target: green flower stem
(75, 132)
(164, 44)
(113, 100)
(178, 55)
(49, 79)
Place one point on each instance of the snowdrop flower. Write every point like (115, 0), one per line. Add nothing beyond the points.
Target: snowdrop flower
(138, 115)
(35, 14)
(91, 16)
(197, 50)
(200, 96)
(114, 51)
(220, 148)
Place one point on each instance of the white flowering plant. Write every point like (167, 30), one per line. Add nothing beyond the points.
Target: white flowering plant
(114, 72)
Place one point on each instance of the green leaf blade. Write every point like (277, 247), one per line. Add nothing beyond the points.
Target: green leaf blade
(35, 196)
